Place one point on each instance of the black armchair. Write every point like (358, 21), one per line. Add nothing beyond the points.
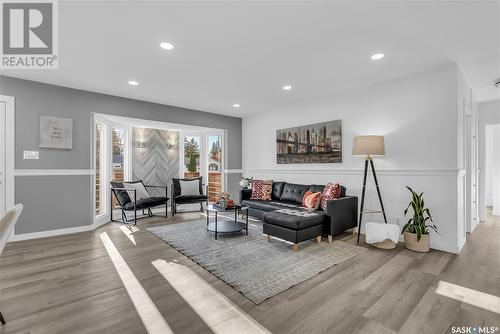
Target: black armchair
(179, 197)
(133, 204)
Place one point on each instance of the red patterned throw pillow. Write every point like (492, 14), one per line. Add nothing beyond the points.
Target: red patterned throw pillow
(331, 191)
(262, 189)
(311, 200)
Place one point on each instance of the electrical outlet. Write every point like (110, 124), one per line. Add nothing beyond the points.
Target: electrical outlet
(31, 155)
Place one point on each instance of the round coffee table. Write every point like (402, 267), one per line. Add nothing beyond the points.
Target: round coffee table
(227, 225)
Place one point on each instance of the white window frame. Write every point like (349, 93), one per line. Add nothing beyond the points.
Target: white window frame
(204, 154)
(107, 165)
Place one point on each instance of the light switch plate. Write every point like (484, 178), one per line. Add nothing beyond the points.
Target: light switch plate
(31, 155)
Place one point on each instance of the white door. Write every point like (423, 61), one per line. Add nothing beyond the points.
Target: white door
(3, 111)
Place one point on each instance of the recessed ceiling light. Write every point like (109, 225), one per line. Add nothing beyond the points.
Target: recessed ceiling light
(236, 105)
(133, 83)
(287, 87)
(377, 56)
(166, 46)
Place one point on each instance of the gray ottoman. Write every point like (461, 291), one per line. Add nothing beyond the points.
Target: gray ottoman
(294, 225)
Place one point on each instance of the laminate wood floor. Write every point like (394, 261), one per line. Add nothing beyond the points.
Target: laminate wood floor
(68, 284)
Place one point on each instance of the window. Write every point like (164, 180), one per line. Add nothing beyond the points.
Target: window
(118, 149)
(100, 176)
(191, 156)
(214, 149)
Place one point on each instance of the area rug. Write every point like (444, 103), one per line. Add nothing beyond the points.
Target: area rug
(257, 268)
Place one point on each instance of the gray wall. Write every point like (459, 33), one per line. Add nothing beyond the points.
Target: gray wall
(155, 163)
(49, 204)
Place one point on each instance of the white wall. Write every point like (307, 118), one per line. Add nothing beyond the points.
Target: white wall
(492, 170)
(489, 114)
(418, 116)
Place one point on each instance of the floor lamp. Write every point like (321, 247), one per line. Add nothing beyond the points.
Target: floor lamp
(369, 146)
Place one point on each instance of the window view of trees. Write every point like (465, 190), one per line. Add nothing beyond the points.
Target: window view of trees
(214, 167)
(118, 148)
(192, 156)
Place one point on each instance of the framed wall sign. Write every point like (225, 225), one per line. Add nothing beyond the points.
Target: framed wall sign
(310, 144)
(56, 132)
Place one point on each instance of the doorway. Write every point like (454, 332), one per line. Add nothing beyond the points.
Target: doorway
(492, 169)
(6, 153)
(203, 155)
(111, 163)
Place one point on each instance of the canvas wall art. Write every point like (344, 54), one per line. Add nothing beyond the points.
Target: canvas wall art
(56, 132)
(310, 144)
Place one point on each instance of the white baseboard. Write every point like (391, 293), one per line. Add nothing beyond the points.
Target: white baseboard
(445, 247)
(98, 223)
(53, 233)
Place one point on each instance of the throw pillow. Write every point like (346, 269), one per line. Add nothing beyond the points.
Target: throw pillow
(311, 200)
(190, 187)
(262, 189)
(331, 191)
(140, 190)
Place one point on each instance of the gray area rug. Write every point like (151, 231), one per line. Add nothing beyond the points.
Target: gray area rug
(257, 268)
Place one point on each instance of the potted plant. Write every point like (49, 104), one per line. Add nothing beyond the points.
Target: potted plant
(246, 182)
(416, 230)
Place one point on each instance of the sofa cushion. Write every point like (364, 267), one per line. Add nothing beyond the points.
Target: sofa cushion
(190, 199)
(262, 189)
(311, 200)
(121, 195)
(177, 185)
(136, 188)
(260, 205)
(293, 192)
(146, 203)
(319, 188)
(268, 205)
(294, 219)
(277, 190)
(315, 188)
(331, 191)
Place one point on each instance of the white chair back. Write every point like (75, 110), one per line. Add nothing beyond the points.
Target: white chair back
(7, 223)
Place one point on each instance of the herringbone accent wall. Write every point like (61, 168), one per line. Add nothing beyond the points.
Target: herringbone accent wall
(156, 159)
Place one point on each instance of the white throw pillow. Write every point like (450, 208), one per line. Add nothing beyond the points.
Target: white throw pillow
(140, 191)
(190, 187)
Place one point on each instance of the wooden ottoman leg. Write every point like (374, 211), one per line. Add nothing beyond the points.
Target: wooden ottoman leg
(330, 239)
(295, 247)
(318, 239)
(268, 237)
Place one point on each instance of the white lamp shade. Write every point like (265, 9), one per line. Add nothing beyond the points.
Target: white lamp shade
(368, 145)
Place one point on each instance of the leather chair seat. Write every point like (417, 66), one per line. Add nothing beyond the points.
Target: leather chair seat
(146, 203)
(190, 198)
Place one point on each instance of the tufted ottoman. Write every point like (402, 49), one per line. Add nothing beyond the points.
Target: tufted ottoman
(294, 225)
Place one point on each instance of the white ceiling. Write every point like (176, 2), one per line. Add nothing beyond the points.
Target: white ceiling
(144, 123)
(243, 52)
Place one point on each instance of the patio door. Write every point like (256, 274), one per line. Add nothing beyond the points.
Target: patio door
(3, 194)
(111, 163)
(215, 179)
(203, 155)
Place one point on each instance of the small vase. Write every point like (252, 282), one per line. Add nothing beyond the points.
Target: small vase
(411, 242)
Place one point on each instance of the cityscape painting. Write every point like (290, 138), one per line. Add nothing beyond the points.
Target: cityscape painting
(310, 144)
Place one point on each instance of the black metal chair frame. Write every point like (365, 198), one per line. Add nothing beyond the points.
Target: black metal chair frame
(174, 204)
(124, 215)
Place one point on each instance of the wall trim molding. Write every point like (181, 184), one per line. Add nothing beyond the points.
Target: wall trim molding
(388, 172)
(232, 171)
(52, 172)
(53, 233)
